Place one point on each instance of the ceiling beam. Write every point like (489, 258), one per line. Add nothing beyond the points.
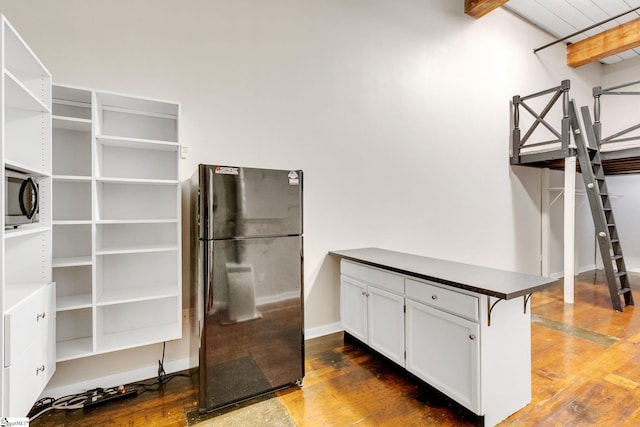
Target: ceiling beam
(604, 44)
(479, 8)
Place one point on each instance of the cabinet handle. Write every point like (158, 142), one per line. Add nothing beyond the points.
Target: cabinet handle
(434, 297)
(472, 337)
(40, 369)
(39, 316)
(364, 293)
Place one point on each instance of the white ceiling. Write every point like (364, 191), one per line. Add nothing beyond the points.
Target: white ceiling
(563, 17)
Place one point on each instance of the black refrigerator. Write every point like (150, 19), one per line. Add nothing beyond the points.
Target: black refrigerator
(247, 282)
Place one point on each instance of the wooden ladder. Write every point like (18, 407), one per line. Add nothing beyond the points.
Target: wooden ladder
(600, 202)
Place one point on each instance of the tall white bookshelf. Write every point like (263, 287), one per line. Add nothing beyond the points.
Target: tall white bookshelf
(28, 306)
(117, 263)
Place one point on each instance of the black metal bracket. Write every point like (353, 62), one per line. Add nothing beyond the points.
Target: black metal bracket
(526, 300)
(490, 308)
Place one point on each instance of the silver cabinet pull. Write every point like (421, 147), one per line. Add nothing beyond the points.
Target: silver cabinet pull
(434, 297)
(39, 316)
(40, 369)
(472, 337)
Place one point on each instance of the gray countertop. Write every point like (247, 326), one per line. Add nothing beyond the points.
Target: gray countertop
(488, 281)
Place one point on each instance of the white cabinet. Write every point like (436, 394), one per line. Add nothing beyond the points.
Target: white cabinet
(26, 288)
(443, 340)
(449, 339)
(116, 221)
(29, 348)
(443, 350)
(373, 309)
(353, 308)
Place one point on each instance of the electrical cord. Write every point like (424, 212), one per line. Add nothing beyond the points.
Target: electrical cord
(80, 400)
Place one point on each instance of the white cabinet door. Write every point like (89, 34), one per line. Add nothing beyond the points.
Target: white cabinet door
(386, 323)
(443, 350)
(353, 308)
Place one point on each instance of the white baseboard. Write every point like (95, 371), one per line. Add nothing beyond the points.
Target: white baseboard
(115, 380)
(587, 268)
(581, 269)
(322, 330)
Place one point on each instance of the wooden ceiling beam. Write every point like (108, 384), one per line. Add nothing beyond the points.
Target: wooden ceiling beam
(479, 8)
(604, 44)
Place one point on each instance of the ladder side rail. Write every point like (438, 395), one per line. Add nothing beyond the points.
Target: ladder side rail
(600, 202)
(596, 204)
(614, 238)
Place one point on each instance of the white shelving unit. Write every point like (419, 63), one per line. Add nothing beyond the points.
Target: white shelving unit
(116, 221)
(28, 307)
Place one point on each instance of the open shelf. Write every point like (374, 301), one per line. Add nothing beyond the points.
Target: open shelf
(129, 117)
(25, 230)
(74, 333)
(24, 66)
(126, 277)
(76, 261)
(27, 139)
(122, 326)
(74, 349)
(71, 123)
(72, 104)
(73, 302)
(118, 200)
(27, 259)
(73, 286)
(27, 169)
(72, 243)
(18, 96)
(72, 200)
(121, 296)
(137, 162)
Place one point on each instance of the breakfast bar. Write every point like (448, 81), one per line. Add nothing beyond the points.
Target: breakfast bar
(463, 329)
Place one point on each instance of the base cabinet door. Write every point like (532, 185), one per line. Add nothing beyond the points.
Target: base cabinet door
(386, 323)
(443, 350)
(353, 307)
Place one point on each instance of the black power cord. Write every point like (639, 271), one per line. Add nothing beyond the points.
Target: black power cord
(93, 397)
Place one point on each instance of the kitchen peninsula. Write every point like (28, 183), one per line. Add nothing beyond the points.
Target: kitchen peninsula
(463, 329)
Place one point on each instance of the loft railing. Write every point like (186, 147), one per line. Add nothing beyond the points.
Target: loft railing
(545, 150)
(620, 136)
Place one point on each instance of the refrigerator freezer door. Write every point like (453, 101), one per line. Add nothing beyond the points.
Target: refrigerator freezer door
(253, 338)
(248, 202)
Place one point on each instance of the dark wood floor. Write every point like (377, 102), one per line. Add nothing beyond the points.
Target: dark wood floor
(585, 371)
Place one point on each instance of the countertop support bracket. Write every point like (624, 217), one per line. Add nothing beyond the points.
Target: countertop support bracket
(490, 308)
(526, 300)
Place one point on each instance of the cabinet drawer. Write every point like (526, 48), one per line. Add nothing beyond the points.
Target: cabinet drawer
(381, 279)
(26, 322)
(26, 378)
(444, 299)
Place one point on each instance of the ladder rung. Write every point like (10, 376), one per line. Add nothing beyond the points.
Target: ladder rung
(621, 273)
(615, 240)
(623, 291)
(615, 257)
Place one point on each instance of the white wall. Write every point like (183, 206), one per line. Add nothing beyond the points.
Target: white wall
(398, 112)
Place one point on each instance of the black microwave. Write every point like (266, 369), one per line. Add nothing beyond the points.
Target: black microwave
(21, 199)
